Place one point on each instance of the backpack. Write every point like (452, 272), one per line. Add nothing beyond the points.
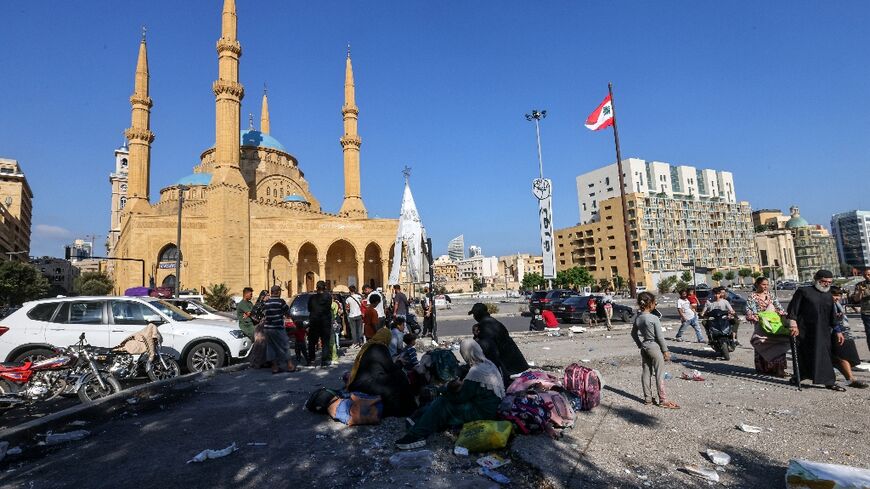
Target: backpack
(584, 383)
(561, 411)
(444, 364)
(534, 380)
(528, 411)
(319, 400)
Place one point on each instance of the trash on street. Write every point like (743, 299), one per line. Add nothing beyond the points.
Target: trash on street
(211, 454)
(707, 474)
(717, 457)
(805, 473)
(55, 438)
(748, 428)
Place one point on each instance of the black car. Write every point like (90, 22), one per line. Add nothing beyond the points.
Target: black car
(299, 308)
(547, 299)
(737, 301)
(576, 309)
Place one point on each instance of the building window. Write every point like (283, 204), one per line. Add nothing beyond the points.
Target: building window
(123, 203)
(124, 188)
(124, 163)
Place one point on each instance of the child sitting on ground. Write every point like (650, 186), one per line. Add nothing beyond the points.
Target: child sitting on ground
(408, 358)
(647, 334)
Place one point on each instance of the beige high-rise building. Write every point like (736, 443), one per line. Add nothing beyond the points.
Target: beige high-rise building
(776, 249)
(16, 212)
(249, 217)
(813, 246)
(666, 233)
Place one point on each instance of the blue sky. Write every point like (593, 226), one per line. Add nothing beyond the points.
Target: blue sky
(773, 91)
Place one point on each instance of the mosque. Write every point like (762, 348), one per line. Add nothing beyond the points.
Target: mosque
(249, 218)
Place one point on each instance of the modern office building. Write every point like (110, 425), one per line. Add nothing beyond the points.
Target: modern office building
(456, 248)
(652, 178)
(474, 251)
(79, 249)
(851, 231)
(16, 211)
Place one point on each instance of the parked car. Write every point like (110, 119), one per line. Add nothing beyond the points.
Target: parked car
(38, 327)
(576, 309)
(546, 299)
(737, 301)
(299, 308)
(790, 285)
(200, 310)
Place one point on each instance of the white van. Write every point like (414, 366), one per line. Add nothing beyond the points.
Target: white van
(33, 331)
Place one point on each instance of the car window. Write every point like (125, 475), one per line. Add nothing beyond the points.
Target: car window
(42, 312)
(539, 295)
(130, 312)
(175, 313)
(189, 307)
(572, 300)
(205, 306)
(299, 307)
(90, 312)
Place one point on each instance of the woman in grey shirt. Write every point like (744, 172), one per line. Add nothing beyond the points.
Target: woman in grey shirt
(647, 334)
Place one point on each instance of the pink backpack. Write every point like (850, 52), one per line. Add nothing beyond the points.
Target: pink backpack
(533, 380)
(584, 383)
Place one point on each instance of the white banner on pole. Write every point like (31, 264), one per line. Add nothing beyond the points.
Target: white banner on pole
(542, 188)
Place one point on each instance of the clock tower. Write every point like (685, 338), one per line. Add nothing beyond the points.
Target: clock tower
(118, 181)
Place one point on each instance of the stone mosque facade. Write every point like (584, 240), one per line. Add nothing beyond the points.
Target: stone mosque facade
(249, 217)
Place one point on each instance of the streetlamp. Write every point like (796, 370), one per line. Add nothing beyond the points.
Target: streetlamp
(543, 189)
(181, 189)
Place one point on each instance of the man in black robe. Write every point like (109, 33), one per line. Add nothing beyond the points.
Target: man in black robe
(496, 343)
(812, 320)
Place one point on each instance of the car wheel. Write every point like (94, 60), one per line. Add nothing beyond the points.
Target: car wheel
(34, 355)
(586, 319)
(205, 356)
(626, 317)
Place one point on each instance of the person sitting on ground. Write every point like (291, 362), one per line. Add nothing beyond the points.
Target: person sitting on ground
(537, 322)
(397, 330)
(845, 356)
(647, 334)
(474, 398)
(549, 318)
(408, 358)
(770, 349)
(374, 372)
(496, 343)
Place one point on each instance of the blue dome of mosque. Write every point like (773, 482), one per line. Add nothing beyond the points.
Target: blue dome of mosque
(295, 198)
(203, 178)
(251, 137)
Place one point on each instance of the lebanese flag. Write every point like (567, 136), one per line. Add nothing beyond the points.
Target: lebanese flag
(601, 117)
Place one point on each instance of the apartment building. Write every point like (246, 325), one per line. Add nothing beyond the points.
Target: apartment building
(481, 267)
(651, 178)
(776, 249)
(456, 248)
(16, 212)
(851, 230)
(814, 247)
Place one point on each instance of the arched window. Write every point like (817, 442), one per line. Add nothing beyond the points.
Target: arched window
(169, 253)
(123, 203)
(124, 188)
(169, 282)
(268, 191)
(123, 162)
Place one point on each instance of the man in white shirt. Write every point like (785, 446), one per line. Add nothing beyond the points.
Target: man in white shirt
(688, 317)
(353, 307)
(382, 316)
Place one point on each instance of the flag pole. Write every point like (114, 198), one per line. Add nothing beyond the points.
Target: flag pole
(628, 249)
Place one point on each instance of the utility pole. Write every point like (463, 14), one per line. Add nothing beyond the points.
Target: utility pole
(632, 286)
(542, 189)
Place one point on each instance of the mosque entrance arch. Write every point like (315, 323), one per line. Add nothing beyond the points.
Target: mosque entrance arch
(307, 268)
(341, 264)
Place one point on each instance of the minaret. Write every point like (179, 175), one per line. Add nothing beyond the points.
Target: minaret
(264, 113)
(140, 137)
(227, 202)
(353, 205)
(228, 100)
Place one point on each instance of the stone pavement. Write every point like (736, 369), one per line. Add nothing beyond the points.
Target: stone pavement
(619, 444)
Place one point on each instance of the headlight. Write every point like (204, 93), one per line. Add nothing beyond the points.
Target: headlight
(238, 334)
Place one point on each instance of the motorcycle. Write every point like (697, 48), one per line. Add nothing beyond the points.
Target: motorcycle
(126, 366)
(719, 333)
(73, 369)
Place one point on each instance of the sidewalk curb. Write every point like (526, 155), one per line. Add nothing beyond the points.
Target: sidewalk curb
(25, 433)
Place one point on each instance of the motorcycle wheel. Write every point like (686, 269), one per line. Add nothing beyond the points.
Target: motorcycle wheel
(723, 348)
(90, 390)
(7, 389)
(158, 372)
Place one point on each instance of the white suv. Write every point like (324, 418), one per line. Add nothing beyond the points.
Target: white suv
(32, 331)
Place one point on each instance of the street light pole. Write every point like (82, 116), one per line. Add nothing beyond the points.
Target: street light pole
(536, 116)
(181, 189)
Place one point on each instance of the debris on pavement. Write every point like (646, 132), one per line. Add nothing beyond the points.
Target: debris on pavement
(4, 446)
(748, 428)
(863, 367)
(707, 474)
(492, 461)
(78, 423)
(133, 400)
(695, 375)
(717, 457)
(460, 451)
(211, 454)
(258, 444)
(416, 459)
(668, 376)
(805, 473)
(578, 329)
(55, 438)
(496, 476)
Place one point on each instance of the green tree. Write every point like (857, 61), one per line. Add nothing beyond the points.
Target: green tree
(717, 277)
(618, 282)
(218, 297)
(730, 276)
(667, 284)
(532, 281)
(756, 274)
(477, 284)
(21, 282)
(744, 273)
(93, 283)
(682, 285)
(686, 276)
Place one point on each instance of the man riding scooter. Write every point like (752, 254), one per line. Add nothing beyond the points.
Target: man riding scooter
(721, 322)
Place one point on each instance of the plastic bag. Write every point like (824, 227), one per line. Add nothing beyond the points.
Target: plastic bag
(482, 436)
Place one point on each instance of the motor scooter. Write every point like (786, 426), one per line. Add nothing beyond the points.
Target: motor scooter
(720, 332)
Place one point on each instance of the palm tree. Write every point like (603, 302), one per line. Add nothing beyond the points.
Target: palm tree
(218, 297)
